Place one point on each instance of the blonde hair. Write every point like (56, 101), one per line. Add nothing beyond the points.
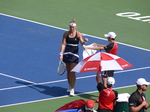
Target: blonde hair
(73, 21)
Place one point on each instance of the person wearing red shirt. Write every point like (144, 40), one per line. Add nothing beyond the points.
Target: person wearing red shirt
(111, 48)
(107, 96)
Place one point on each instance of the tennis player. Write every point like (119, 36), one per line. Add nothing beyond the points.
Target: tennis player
(69, 52)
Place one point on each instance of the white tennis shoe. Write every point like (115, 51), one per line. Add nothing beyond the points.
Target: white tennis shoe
(72, 92)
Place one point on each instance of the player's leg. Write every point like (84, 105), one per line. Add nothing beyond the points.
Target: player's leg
(68, 76)
(72, 77)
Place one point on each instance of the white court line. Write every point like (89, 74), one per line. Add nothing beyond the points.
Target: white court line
(16, 78)
(63, 80)
(59, 97)
(66, 29)
(133, 69)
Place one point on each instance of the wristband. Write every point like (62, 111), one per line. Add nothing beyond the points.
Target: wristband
(61, 53)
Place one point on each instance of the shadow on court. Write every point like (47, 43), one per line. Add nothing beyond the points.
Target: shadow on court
(47, 90)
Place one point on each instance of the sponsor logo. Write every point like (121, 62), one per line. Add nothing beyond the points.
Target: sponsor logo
(124, 65)
(87, 69)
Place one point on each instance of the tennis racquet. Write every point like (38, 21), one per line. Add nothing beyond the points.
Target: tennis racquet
(61, 67)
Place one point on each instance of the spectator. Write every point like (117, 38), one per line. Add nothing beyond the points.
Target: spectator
(78, 106)
(89, 107)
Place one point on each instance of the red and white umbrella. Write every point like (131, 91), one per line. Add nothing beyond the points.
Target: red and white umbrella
(101, 62)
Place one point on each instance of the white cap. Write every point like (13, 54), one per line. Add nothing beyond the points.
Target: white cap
(142, 81)
(110, 81)
(111, 35)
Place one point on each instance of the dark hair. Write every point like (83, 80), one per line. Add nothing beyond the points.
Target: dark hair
(113, 38)
(109, 85)
(138, 86)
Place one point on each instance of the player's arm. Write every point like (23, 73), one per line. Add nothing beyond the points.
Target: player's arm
(82, 41)
(63, 45)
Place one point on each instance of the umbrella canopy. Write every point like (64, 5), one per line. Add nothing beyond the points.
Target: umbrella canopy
(101, 62)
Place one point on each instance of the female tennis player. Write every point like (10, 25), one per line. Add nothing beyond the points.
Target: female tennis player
(69, 52)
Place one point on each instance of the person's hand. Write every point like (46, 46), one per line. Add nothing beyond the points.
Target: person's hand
(84, 47)
(86, 39)
(60, 57)
(144, 103)
(95, 44)
(147, 105)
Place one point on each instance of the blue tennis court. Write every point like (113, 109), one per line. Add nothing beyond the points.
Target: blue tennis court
(29, 60)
